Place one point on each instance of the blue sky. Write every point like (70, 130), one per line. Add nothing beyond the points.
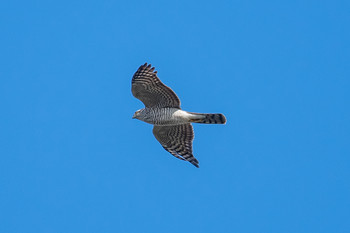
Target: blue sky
(73, 160)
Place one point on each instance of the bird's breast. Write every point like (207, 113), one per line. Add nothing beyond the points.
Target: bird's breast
(166, 116)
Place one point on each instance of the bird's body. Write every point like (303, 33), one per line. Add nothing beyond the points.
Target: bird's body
(172, 125)
(163, 116)
(174, 116)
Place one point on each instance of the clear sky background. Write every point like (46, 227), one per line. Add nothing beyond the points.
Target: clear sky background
(73, 160)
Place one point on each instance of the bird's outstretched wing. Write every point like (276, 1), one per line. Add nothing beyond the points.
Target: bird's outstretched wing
(177, 139)
(147, 87)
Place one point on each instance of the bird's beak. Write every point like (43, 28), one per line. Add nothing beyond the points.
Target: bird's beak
(133, 117)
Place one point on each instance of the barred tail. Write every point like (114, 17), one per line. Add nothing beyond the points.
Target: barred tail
(207, 118)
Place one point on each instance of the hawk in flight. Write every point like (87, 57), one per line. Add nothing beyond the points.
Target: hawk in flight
(172, 126)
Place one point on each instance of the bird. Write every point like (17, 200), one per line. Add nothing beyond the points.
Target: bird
(172, 126)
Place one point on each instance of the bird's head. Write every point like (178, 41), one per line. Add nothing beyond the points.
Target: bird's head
(137, 114)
